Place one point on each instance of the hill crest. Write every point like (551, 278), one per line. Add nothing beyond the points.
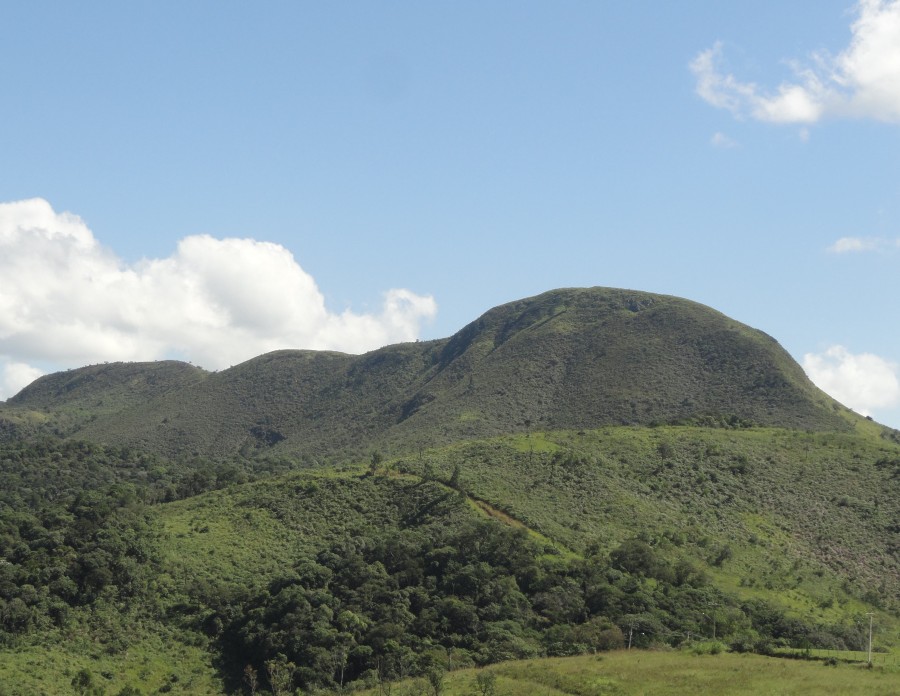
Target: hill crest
(566, 359)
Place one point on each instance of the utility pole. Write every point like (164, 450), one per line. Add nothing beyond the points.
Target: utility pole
(870, 615)
(713, 606)
(713, 619)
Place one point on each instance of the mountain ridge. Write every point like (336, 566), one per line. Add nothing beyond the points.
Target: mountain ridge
(568, 358)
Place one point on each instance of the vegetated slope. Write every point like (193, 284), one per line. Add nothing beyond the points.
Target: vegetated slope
(808, 520)
(63, 402)
(107, 387)
(575, 358)
(313, 402)
(784, 537)
(760, 537)
(581, 358)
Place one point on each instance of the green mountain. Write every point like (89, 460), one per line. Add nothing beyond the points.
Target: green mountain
(566, 474)
(567, 359)
(107, 388)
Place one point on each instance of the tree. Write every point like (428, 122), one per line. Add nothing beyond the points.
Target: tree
(83, 683)
(485, 683)
(454, 477)
(129, 691)
(435, 681)
(375, 462)
(636, 557)
(599, 633)
(252, 679)
(281, 675)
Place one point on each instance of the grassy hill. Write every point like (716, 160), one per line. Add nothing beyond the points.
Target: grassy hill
(805, 520)
(64, 402)
(576, 358)
(109, 387)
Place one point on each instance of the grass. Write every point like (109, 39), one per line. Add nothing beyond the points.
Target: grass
(217, 537)
(250, 534)
(879, 659)
(798, 512)
(669, 673)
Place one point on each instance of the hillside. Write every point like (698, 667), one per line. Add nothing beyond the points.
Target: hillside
(109, 387)
(516, 547)
(576, 358)
(567, 474)
(64, 402)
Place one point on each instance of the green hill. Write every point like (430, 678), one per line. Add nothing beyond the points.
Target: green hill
(566, 474)
(64, 402)
(109, 387)
(576, 358)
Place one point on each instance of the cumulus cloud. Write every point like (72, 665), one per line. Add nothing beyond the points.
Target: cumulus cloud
(846, 245)
(862, 381)
(850, 244)
(862, 81)
(67, 301)
(14, 376)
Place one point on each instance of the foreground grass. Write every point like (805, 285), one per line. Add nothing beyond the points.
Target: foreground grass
(155, 667)
(639, 673)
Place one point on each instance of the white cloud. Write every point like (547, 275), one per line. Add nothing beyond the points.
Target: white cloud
(14, 376)
(854, 244)
(723, 141)
(862, 81)
(849, 244)
(67, 301)
(863, 381)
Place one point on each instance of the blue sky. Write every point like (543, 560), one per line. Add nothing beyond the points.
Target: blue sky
(210, 180)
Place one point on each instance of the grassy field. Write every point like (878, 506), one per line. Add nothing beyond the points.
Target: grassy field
(879, 659)
(671, 673)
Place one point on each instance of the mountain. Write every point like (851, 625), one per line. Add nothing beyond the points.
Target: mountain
(566, 359)
(565, 471)
(107, 387)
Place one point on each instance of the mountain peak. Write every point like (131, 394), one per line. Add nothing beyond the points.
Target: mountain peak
(573, 358)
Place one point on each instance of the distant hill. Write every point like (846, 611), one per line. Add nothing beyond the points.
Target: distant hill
(572, 358)
(109, 387)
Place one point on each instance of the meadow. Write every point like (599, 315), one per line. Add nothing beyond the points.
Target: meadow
(659, 673)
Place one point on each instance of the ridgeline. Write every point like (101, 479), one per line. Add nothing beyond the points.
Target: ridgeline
(567, 359)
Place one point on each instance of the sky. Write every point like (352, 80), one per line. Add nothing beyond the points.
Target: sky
(212, 180)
